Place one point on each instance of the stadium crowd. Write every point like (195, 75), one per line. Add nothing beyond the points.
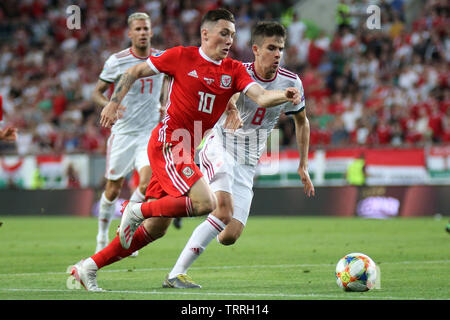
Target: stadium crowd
(363, 87)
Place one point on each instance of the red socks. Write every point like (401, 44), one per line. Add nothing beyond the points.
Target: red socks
(114, 251)
(168, 206)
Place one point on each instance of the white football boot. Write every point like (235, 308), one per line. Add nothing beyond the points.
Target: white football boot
(134, 254)
(131, 220)
(86, 276)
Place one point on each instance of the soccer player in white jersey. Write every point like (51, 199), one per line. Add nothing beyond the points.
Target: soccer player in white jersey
(140, 113)
(229, 159)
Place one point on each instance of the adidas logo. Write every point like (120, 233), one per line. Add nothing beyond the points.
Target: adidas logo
(193, 73)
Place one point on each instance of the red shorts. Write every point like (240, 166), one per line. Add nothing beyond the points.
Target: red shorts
(173, 168)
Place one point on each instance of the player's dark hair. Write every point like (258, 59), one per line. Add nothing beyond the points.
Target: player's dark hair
(267, 29)
(216, 15)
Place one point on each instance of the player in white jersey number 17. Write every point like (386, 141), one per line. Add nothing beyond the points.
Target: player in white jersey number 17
(140, 113)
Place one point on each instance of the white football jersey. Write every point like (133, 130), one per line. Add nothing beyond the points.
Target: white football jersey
(248, 143)
(142, 100)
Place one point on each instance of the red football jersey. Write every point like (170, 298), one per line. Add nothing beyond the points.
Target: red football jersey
(199, 89)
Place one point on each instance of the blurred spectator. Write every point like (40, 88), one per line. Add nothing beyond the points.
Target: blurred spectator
(73, 182)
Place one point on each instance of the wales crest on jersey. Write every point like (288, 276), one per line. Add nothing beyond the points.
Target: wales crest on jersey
(225, 81)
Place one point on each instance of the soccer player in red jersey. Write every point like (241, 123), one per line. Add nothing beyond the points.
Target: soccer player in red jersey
(203, 81)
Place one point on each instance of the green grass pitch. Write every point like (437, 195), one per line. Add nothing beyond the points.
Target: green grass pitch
(276, 258)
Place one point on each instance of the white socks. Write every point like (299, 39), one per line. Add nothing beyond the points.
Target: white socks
(105, 216)
(137, 196)
(200, 238)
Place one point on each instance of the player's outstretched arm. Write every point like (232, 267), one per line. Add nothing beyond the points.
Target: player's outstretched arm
(302, 132)
(109, 113)
(271, 98)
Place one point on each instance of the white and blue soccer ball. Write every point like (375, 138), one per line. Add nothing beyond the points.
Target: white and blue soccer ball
(356, 272)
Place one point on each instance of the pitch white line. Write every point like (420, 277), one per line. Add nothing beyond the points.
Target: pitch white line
(221, 294)
(223, 268)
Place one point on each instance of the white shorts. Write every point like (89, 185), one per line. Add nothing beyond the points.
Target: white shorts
(124, 153)
(224, 173)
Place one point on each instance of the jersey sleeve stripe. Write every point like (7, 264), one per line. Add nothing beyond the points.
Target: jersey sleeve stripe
(248, 86)
(104, 80)
(294, 112)
(152, 66)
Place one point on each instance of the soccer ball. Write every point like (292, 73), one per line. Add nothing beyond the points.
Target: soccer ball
(356, 272)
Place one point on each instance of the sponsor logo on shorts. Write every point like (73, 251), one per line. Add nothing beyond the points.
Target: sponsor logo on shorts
(188, 172)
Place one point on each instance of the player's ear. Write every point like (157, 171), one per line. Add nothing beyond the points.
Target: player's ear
(255, 49)
(204, 34)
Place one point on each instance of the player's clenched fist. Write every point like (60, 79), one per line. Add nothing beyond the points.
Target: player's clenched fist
(293, 95)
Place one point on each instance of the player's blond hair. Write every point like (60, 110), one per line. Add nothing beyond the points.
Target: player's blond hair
(138, 16)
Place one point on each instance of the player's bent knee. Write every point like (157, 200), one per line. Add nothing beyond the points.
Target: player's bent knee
(231, 233)
(112, 194)
(113, 188)
(229, 240)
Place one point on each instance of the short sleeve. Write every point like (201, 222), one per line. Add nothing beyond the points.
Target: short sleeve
(110, 70)
(291, 108)
(165, 61)
(243, 81)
